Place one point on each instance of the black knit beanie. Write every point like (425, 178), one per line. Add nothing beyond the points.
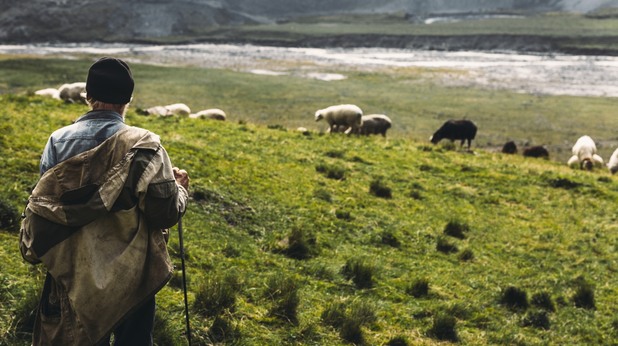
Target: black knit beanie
(110, 81)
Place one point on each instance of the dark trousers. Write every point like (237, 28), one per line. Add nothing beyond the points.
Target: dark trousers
(136, 330)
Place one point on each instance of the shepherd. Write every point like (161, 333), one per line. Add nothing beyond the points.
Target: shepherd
(97, 220)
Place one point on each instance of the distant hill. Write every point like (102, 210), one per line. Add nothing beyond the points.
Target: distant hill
(124, 21)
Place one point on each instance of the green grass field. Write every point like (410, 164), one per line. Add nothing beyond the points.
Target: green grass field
(321, 239)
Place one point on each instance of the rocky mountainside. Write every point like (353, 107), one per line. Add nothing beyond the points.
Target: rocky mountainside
(135, 20)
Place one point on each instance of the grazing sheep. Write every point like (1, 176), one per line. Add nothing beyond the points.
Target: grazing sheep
(212, 113)
(612, 165)
(156, 110)
(585, 154)
(73, 92)
(349, 116)
(509, 148)
(178, 109)
(536, 151)
(49, 92)
(464, 130)
(374, 124)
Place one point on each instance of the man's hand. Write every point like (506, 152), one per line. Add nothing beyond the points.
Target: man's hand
(182, 177)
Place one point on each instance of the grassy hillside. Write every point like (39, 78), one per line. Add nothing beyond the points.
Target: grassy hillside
(332, 240)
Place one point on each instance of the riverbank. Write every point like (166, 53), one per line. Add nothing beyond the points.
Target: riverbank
(539, 74)
(448, 43)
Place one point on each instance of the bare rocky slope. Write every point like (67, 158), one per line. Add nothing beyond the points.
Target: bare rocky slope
(149, 20)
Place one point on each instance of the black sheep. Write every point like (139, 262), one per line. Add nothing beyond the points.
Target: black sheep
(464, 130)
(509, 148)
(536, 151)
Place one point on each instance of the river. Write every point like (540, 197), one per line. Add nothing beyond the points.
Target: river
(527, 73)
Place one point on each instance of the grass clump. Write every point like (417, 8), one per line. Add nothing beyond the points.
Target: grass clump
(466, 255)
(514, 298)
(222, 331)
(456, 229)
(297, 245)
(334, 314)
(335, 154)
(544, 301)
(390, 239)
(418, 288)
(323, 195)
(444, 328)
(349, 319)
(9, 217)
(331, 171)
(360, 272)
(163, 333)
(443, 245)
(379, 189)
(343, 215)
(217, 294)
(537, 319)
(283, 291)
(398, 341)
(584, 295)
(24, 312)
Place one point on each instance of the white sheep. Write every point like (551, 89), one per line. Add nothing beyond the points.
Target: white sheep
(374, 124)
(212, 113)
(73, 92)
(49, 92)
(179, 109)
(585, 154)
(346, 115)
(612, 165)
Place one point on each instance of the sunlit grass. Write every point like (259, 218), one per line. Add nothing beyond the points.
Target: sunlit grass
(530, 224)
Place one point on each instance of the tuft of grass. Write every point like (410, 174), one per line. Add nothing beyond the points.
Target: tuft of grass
(443, 245)
(231, 251)
(514, 298)
(331, 171)
(398, 341)
(283, 291)
(444, 328)
(379, 189)
(544, 301)
(349, 320)
(9, 217)
(163, 332)
(335, 154)
(24, 312)
(584, 295)
(323, 195)
(537, 319)
(389, 238)
(456, 229)
(418, 288)
(217, 294)
(299, 246)
(343, 215)
(360, 272)
(223, 332)
(466, 255)
(334, 314)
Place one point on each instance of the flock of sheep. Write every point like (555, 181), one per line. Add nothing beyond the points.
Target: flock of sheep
(76, 93)
(349, 119)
